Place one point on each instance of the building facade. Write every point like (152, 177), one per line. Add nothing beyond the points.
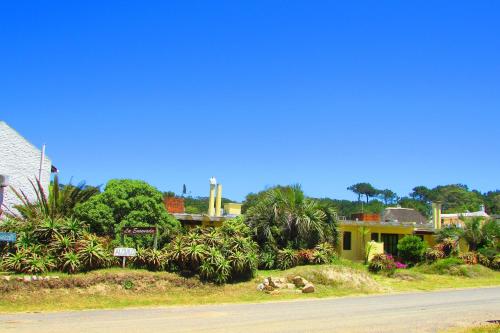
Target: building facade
(21, 163)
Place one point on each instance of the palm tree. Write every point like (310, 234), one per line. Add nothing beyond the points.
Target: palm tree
(285, 215)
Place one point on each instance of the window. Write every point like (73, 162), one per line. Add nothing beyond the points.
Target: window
(347, 240)
(375, 236)
(390, 243)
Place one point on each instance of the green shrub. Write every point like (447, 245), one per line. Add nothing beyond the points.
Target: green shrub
(286, 258)
(469, 258)
(382, 263)
(218, 255)
(128, 203)
(411, 249)
(267, 260)
(433, 254)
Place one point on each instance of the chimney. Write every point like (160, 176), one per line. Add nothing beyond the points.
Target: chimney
(436, 214)
(218, 200)
(211, 200)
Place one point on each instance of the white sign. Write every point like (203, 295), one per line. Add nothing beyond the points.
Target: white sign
(125, 252)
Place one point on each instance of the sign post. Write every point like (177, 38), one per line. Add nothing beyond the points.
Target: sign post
(138, 231)
(124, 252)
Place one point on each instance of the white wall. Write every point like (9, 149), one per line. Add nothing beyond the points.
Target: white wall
(20, 160)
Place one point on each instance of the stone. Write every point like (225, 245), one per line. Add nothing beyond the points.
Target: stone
(260, 287)
(6, 278)
(299, 281)
(290, 286)
(27, 278)
(266, 281)
(308, 288)
(34, 278)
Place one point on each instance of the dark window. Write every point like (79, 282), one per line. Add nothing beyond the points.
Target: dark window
(390, 243)
(375, 236)
(347, 240)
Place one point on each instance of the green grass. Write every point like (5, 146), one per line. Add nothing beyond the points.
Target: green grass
(106, 288)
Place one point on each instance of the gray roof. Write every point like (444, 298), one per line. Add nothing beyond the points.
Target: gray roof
(403, 215)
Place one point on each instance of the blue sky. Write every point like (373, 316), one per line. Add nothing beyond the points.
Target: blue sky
(256, 93)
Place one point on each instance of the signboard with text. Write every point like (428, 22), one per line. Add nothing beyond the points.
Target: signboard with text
(124, 252)
(135, 231)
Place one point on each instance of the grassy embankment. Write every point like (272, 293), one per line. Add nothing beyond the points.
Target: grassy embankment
(117, 288)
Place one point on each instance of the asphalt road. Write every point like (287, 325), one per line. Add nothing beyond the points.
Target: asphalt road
(416, 312)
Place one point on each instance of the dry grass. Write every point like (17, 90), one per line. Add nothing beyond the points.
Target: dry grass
(117, 288)
(485, 328)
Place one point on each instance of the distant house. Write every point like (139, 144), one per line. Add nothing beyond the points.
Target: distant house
(20, 163)
(458, 218)
(386, 229)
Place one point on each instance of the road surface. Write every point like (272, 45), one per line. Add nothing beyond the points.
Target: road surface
(416, 312)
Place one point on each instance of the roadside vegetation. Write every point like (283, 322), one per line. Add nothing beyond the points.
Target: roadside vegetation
(71, 232)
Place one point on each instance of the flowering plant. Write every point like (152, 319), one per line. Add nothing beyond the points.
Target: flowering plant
(400, 265)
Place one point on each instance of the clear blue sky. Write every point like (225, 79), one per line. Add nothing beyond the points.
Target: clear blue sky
(256, 93)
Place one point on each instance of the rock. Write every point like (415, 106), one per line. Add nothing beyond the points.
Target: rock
(299, 281)
(266, 282)
(6, 278)
(290, 286)
(34, 278)
(27, 278)
(308, 288)
(260, 287)
(268, 288)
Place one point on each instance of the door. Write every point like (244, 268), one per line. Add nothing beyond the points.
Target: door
(390, 243)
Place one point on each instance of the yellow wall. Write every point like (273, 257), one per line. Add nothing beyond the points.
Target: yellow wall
(232, 208)
(357, 244)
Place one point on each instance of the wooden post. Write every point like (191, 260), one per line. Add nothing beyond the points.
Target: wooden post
(123, 261)
(155, 243)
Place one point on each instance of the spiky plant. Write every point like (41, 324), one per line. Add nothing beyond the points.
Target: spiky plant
(91, 252)
(70, 262)
(286, 258)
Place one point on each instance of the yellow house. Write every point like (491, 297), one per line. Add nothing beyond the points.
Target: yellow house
(395, 224)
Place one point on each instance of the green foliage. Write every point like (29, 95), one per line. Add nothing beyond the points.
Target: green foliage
(284, 217)
(286, 258)
(218, 255)
(199, 205)
(128, 203)
(382, 263)
(411, 249)
(150, 259)
(448, 266)
(58, 203)
(365, 189)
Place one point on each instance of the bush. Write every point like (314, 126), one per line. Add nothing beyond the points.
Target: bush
(128, 203)
(411, 249)
(433, 254)
(324, 253)
(469, 258)
(287, 258)
(217, 255)
(382, 263)
(306, 256)
(267, 260)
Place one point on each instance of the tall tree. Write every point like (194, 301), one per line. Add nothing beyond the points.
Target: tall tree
(388, 196)
(365, 189)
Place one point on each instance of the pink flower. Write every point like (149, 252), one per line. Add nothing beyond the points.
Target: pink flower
(400, 265)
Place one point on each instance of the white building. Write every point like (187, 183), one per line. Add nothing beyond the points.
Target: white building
(20, 162)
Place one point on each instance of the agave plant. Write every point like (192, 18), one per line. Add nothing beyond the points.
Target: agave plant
(91, 252)
(15, 262)
(70, 262)
(61, 244)
(287, 258)
(267, 260)
(38, 264)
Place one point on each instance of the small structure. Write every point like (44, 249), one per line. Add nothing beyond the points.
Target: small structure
(458, 218)
(21, 163)
(215, 215)
(174, 205)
